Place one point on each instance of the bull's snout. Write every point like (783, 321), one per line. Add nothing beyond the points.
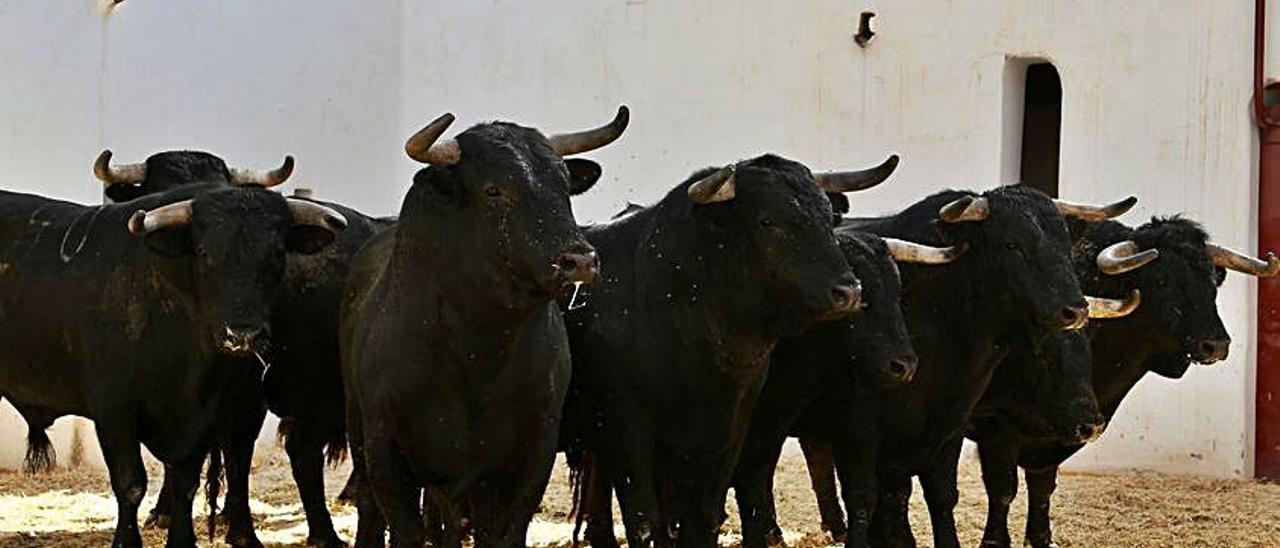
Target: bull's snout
(1073, 316)
(900, 370)
(243, 339)
(575, 267)
(845, 296)
(1089, 431)
(1212, 350)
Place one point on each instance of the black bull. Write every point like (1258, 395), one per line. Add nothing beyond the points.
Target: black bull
(303, 384)
(1176, 325)
(144, 333)
(855, 401)
(670, 350)
(1013, 285)
(455, 358)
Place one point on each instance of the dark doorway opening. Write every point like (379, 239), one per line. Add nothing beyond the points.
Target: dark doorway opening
(1042, 128)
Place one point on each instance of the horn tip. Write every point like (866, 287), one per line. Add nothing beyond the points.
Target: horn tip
(1135, 299)
(1123, 206)
(1273, 265)
(137, 223)
(102, 166)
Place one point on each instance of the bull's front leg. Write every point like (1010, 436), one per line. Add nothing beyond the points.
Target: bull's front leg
(241, 432)
(890, 524)
(391, 482)
(185, 477)
(857, 456)
(941, 495)
(999, 457)
(306, 460)
(630, 453)
(753, 488)
(820, 462)
(597, 503)
(1040, 486)
(123, 455)
(159, 515)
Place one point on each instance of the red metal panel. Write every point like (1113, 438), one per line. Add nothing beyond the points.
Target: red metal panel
(1267, 411)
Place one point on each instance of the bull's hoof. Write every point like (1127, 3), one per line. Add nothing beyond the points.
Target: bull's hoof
(839, 537)
(1046, 543)
(156, 520)
(602, 538)
(243, 540)
(327, 542)
(775, 540)
(994, 543)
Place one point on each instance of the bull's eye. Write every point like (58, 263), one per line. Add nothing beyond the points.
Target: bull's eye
(766, 222)
(1011, 246)
(492, 191)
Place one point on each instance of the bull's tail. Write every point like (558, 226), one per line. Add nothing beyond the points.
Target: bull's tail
(335, 450)
(212, 485)
(40, 456)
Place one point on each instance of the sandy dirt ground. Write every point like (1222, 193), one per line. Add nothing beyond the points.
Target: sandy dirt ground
(75, 509)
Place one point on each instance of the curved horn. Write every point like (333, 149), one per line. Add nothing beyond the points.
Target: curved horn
(311, 213)
(566, 144)
(146, 222)
(911, 252)
(1113, 308)
(1234, 260)
(1124, 256)
(717, 187)
(263, 178)
(121, 174)
(422, 145)
(966, 209)
(1090, 212)
(848, 181)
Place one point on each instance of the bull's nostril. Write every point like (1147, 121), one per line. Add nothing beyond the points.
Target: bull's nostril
(1074, 317)
(576, 267)
(902, 369)
(845, 297)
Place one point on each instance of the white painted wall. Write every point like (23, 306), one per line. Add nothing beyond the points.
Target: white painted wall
(1156, 104)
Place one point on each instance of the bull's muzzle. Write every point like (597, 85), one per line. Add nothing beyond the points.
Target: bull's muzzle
(845, 297)
(242, 340)
(580, 267)
(1073, 317)
(899, 371)
(1212, 350)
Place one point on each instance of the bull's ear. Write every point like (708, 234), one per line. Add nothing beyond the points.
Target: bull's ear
(173, 241)
(123, 192)
(839, 203)
(583, 174)
(439, 185)
(308, 239)
(1076, 229)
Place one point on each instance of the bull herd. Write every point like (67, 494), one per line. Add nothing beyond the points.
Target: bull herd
(669, 353)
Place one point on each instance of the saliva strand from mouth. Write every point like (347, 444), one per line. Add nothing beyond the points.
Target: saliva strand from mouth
(573, 300)
(265, 366)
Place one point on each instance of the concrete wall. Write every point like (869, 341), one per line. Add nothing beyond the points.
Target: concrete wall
(1156, 104)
